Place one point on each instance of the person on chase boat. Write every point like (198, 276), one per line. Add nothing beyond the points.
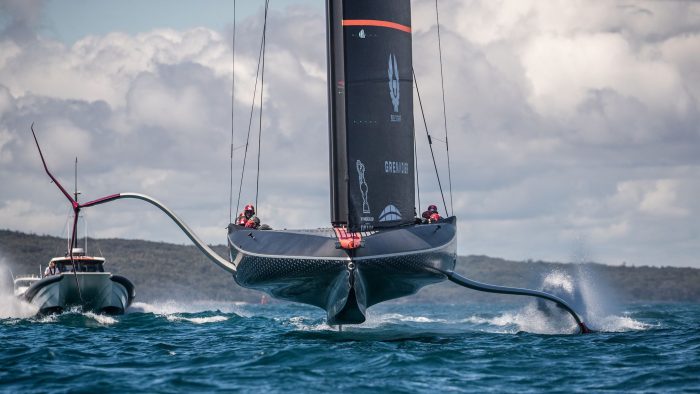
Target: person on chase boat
(51, 269)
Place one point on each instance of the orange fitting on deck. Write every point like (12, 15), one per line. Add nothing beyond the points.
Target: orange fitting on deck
(348, 240)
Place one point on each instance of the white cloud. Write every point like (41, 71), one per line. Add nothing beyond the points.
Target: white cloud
(563, 70)
(565, 119)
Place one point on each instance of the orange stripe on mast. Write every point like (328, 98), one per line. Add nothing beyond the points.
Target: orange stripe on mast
(374, 22)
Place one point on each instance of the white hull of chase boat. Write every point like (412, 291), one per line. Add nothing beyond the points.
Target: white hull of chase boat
(99, 292)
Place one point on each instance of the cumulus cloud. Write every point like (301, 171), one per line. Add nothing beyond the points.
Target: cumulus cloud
(566, 119)
(20, 19)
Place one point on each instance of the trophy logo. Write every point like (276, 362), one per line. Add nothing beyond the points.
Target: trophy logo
(363, 186)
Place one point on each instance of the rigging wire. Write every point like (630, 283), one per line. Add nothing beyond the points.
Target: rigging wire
(444, 110)
(430, 140)
(65, 230)
(74, 236)
(86, 233)
(415, 158)
(233, 104)
(250, 120)
(262, 89)
(94, 240)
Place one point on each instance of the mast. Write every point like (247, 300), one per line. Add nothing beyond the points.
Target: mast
(336, 113)
(370, 92)
(74, 242)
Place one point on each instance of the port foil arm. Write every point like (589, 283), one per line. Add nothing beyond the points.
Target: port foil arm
(213, 256)
(201, 245)
(474, 285)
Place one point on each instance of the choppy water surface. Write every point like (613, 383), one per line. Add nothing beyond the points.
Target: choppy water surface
(209, 346)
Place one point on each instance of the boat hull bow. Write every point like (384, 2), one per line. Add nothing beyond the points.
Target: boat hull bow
(310, 267)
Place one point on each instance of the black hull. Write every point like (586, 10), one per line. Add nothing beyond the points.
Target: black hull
(309, 267)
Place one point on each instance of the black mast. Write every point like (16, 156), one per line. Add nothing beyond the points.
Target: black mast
(370, 90)
(336, 113)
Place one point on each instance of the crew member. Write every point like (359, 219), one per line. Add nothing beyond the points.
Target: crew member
(431, 215)
(52, 269)
(252, 220)
(241, 219)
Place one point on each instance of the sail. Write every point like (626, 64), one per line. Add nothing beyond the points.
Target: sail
(371, 113)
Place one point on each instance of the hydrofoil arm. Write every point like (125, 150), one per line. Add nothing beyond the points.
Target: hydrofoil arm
(474, 285)
(211, 254)
(77, 206)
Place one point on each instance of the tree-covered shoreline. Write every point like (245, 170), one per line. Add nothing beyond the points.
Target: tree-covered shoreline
(169, 271)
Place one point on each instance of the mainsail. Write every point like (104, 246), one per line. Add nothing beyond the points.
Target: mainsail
(371, 113)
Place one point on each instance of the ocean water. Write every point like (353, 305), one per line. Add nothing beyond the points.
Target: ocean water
(283, 347)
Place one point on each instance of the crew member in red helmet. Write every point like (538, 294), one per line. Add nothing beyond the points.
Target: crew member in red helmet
(431, 215)
(252, 221)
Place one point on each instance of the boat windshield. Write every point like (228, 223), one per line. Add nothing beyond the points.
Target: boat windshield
(83, 266)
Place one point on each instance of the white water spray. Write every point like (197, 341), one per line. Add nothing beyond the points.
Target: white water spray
(10, 306)
(587, 293)
(175, 311)
(170, 307)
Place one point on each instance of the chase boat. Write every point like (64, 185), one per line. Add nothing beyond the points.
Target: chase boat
(79, 282)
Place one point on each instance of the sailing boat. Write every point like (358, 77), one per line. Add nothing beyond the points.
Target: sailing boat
(375, 250)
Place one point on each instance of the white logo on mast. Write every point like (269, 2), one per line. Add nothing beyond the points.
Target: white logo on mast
(363, 186)
(394, 92)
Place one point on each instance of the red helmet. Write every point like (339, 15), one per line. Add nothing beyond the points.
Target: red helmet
(241, 220)
(432, 208)
(249, 208)
(435, 217)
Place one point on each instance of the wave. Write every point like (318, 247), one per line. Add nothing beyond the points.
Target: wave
(170, 307)
(197, 320)
(178, 311)
(104, 320)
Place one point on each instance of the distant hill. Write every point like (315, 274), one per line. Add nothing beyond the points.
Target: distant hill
(168, 271)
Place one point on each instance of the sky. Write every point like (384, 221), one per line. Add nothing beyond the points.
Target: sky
(574, 126)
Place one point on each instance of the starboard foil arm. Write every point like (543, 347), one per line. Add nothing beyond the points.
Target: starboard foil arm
(201, 245)
(474, 285)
